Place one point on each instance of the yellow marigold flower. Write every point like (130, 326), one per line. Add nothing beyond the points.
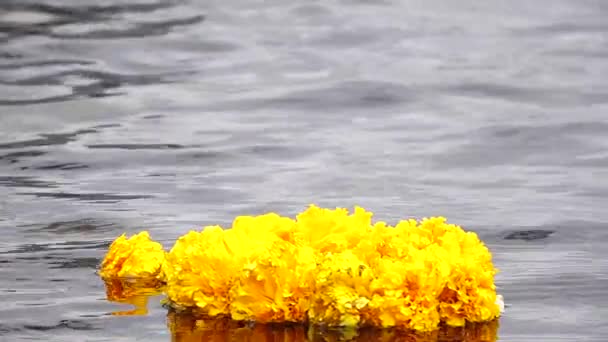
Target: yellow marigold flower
(270, 223)
(199, 271)
(342, 293)
(246, 273)
(276, 286)
(137, 257)
(332, 230)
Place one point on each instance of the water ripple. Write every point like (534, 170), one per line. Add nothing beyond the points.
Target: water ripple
(71, 262)
(63, 324)
(529, 235)
(82, 226)
(48, 18)
(50, 99)
(344, 95)
(547, 97)
(138, 30)
(29, 248)
(79, 22)
(48, 139)
(45, 63)
(136, 146)
(61, 166)
(25, 182)
(15, 157)
(87, 197)
(83, 83)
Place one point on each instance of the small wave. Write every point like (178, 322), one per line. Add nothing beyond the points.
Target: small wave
(529, 235)
(25, 182)
(137, 146)
(63, 324)
(88, 197)
(47, 139)
(15, 157)
(61, 166)
(46, 20)
(546, 97)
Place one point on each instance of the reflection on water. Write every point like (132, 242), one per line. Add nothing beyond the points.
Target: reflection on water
(186, 327)
(135, 292)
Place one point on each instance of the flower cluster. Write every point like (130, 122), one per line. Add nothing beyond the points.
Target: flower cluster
(135, 257)
(325, 267)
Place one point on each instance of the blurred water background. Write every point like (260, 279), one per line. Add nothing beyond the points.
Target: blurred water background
(123, 115)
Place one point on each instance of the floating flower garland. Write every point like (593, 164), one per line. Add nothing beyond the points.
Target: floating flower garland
(326, 267)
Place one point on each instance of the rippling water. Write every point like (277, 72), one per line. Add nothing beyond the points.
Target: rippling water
(165, 115)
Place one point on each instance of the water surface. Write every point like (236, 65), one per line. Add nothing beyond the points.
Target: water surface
(117, 116)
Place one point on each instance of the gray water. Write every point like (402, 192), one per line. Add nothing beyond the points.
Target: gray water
(122, 115)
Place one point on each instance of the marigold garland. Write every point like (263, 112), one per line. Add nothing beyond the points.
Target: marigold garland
(326, 267)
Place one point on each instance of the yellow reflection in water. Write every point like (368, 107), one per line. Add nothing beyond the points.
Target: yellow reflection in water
(132, 291)
(189, 328)
(185, 327)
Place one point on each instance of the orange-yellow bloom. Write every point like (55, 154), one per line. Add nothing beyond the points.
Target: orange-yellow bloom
(137, 257)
